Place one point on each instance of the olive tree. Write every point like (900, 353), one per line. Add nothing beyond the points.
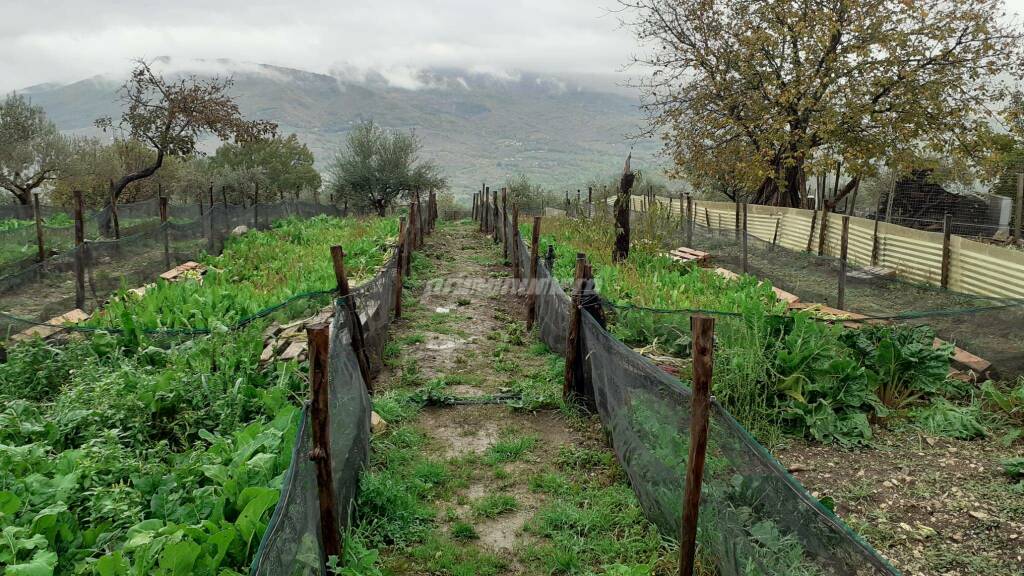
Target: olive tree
(32, 150)
(377, 165)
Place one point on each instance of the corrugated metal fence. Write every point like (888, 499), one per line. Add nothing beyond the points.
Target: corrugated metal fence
(975, 267)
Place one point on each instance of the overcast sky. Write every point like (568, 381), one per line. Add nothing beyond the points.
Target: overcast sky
(67, 40)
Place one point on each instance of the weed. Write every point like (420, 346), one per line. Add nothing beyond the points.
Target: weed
(494, 505)
(464, 531)
(509, 449)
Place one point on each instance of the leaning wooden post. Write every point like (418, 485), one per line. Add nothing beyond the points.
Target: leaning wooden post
(472, 210)
(163, 224)
(775, 235)
(355, 324)
(514, 241)
(874, 234)
(79, 253)
(209, 236)
(841, 299)
(36, 213)
(703, 332)
(531, 288)
(744, 237)
(737, 228)
(485, 213)
(707, 219)
(814, 225)
(947, 231)
(572, 386)
(399, 265)
(689, 220)
(318, 339)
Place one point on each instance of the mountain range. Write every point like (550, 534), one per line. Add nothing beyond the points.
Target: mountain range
(478, 127)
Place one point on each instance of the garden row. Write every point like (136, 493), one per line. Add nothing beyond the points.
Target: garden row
(127, 449)
(780, 371)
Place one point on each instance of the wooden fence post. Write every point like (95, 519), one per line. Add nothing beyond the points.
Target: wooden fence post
(841, 299)
(824, 229)
(531, 288)
(703, 331)
(874, 233)
(473, 209)
(163, 224)
(400, 265)
(113, 212)
(318, 338)
(736, 233)
(79, 252)
(572, 386)
(549, 260)
(707, 219)
(355, 323)
(37, 214)
(494, 216)
(744, 237)
(514, 241)
(1019, 209)
(256, 207)
(504, 219)
(947, 230)
(485, 216)
(775, 236)
(689, 220)
(210, 247)
(814, 224)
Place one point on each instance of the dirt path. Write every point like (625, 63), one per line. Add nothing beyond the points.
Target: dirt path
(506, 480)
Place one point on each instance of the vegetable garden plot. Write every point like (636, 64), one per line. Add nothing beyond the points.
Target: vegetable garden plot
(123, 456)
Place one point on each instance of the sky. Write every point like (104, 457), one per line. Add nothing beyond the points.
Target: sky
(63, 41)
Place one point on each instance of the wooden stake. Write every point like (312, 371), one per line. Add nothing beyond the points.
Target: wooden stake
(744, 237)
(256, 206)
(531, 288)
(689, 221)
(947, 230)
(737, 228)
(209, 237)
(494, 216)
(1019, 209)
(572, 386)
(814, 224)
(400, 265)
(841, 300)
(824, 229)
(516, 272)
(36, 213)
(355, 324)
(775, 236)
(163, 224)
(503, 233)
(703, 332)
(79, 252)
(707, 220)
(318, 338)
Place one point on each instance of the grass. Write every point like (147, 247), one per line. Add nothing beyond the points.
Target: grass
(509, 449)
(494, 505)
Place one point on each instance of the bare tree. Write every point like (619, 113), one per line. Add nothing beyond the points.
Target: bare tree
(170, 116)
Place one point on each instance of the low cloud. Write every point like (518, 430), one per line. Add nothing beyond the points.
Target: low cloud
(67, 41)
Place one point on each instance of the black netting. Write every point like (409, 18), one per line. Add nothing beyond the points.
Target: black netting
(754, 518)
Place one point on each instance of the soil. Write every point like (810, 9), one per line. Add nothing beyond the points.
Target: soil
(932, 506)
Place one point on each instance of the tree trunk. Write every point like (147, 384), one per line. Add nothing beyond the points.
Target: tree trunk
(787, 193)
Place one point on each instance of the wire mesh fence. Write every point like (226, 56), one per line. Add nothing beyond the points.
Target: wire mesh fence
(84, 276)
